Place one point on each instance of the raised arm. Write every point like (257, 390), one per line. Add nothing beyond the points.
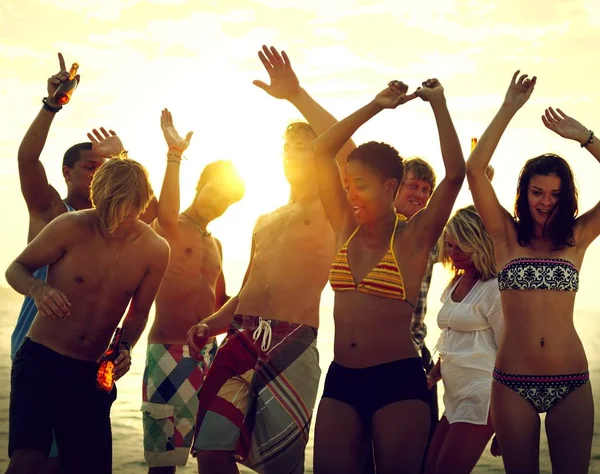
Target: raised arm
(284, 84)
(39, 196)
(587, 226)
(168, 204)
(430, 222)
(328, 144)
(496, 219)
(46, 249)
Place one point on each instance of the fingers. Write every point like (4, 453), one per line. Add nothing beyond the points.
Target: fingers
(286, 60)
(550, 111)
(265, 60)
(97, 137)
(514, 77)
(563, 115)
(122, 365)
(188, 137)
(191, 340)
(277, 56)
(55, 304)
(261, 84)
(61, 62)
(78, 78)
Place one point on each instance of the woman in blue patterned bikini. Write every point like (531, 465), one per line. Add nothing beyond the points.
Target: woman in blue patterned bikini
(541, 365)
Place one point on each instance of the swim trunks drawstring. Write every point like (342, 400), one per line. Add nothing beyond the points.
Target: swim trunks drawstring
(263, 325)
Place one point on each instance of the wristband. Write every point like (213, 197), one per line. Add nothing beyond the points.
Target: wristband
(49, 107)
(590, 140)
(125, 345)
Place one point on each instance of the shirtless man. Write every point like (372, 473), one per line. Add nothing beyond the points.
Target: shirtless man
(100, 260)
(256, 404)
(43, 201)
(193, 289)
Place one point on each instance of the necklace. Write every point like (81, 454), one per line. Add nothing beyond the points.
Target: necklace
(204, 232)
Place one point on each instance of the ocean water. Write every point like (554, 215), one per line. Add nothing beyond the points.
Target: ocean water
(126, 416)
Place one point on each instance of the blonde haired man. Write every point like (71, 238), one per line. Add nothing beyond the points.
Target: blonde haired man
(100, 261)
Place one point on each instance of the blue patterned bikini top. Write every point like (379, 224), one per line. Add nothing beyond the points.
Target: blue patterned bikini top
(528, 273)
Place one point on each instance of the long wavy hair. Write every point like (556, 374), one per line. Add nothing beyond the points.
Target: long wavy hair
(560, 228)
(467, 230)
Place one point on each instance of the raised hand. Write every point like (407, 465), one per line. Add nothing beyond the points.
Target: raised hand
(50, 302)
(430, 90)
(173, 138)
(519, 90)
(565, 126)
(58, 78)
(394, 95)
(284, 83)
(105, 144)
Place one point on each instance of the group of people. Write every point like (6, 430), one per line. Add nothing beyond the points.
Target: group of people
(372, 223)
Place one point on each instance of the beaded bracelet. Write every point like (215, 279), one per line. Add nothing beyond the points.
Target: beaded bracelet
(590, 140)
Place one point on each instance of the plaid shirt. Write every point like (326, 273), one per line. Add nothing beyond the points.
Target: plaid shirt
(418, 329)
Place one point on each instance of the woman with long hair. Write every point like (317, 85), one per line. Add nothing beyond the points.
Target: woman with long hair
(376, 385)
(471, 320)
(541, 366)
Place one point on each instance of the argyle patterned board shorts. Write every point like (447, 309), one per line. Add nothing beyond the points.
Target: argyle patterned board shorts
(172, 379)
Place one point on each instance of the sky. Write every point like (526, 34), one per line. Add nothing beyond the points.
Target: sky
(199, 59)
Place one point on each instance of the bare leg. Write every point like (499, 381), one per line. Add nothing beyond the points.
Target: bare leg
(400, 436)
(216, 462)
(570, 427)
(340, 440)
(462, 448)
(26, 461)
(437, 442)
(517, 426)
(162, 470)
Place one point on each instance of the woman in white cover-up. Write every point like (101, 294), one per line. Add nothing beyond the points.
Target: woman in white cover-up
(471, 321)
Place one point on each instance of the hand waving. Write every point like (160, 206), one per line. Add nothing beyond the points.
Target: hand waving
(284, 83)
(58, 78)
(171, 136)
(394, 95)
(430, 90)
(519, 90)
(105, 144)
(563, 125)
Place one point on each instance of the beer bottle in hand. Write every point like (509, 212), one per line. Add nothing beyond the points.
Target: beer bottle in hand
(65, 89)
(105, 377)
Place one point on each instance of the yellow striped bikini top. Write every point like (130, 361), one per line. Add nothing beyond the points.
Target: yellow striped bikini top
(384, 280)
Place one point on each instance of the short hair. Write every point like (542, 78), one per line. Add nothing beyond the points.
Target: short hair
(421, 170)
(467, 230)
(383, 159)
(73, 154)
(120, 187)
(560, 228)
(297, 129)
(226, 176)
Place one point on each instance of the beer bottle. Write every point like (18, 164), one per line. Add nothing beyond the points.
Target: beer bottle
(65, 89)
(105, 377)
(473, 143)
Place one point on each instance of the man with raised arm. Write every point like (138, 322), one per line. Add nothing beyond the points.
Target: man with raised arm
(100, 261)
(43, 201)
(256, 404)
(193, 289)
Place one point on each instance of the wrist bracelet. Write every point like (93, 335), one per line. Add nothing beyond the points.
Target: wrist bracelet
(176, 149)
(49, 107)
(590, 140)
(174, 161)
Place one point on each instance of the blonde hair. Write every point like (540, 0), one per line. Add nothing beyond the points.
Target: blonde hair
(120, 187)
(467, 230)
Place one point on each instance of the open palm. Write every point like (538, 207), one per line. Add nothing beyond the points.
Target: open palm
(173, 139)
(105, 144)
(563, 125)
(284, 83)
